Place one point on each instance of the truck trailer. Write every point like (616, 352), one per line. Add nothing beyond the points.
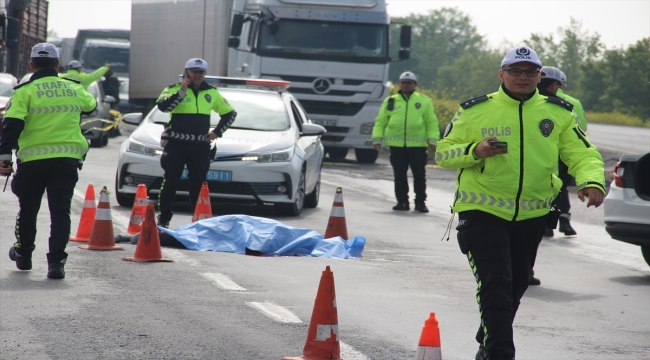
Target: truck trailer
(334, 52)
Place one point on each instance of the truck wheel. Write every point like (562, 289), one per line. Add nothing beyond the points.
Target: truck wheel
(645, 250)
(337, 153)
(366, 156)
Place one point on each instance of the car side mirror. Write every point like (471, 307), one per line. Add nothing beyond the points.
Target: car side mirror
(312, 130)
(109, 99)
(132, 118)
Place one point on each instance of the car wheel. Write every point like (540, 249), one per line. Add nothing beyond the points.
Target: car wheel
(337, 153)
(105, 139)
(123, 199)
(296, 207)
(366, 156)
(311, 200)
(645, 250)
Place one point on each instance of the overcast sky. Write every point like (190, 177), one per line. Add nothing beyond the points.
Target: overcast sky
(619, 22)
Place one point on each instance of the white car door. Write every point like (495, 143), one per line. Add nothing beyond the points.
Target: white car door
(308, 145)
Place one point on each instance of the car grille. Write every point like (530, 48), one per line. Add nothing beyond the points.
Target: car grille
(220, 187)
(331, 107)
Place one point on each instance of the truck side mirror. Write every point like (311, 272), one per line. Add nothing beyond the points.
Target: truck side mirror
(405, 37)
(404, 55)
(12, 33)
(233, 42)
(75, 54)
(237, 24)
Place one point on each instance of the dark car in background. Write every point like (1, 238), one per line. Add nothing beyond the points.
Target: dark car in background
(627, 204)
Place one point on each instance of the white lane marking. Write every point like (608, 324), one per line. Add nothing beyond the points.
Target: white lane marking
(222, 281)
(275, 312)
(350, 353)
(178, 256)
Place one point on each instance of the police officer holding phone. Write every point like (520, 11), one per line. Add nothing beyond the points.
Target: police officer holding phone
(42, 122)
(504, 192)
(187, 136)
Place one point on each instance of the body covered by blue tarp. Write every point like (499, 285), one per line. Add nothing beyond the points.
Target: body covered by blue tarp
(236, 233)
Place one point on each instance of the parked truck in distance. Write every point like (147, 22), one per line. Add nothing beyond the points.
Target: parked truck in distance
(334, 52)
(94, 47)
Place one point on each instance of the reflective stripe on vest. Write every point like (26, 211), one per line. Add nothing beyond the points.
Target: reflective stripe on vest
(449, 154)
(482, 199)
(55, 109)
(51, 149)
(190, 137)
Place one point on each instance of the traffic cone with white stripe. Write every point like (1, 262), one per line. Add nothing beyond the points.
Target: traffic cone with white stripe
(203, 209)
(429, 345)
(101, 236)
(148, 248)
(138, 211)
(336, 225)
(323, 334)
(87, 216)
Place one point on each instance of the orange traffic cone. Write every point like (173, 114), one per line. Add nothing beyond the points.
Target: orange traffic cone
(429, 345)
(203, 208)
(138, 211)
(336, 224)
(323, 334)
(87, 216)
(101, 236)
(148, 248)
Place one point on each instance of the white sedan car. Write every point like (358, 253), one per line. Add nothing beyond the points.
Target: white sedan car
(272, 154)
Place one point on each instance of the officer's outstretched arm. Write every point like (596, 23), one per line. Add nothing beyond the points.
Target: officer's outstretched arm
(581, 156)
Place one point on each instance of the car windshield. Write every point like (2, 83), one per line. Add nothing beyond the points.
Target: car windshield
(255, 111)
(6, 86)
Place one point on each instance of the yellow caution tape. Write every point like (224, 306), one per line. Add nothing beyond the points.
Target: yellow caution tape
(111, 123)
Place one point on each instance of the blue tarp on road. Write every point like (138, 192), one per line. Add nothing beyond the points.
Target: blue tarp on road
(236, 233)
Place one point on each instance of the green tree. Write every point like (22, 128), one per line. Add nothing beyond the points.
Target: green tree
(572, 47)
(439, 37)
(469, 76)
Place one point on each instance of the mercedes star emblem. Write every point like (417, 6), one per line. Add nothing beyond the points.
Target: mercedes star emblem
(322, 86)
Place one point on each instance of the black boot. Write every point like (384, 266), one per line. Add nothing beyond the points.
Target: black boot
(421, 208)
(482, 353)
(163, 222)
(22, 262)
(55, 271)
(565, 225)
(401, 206)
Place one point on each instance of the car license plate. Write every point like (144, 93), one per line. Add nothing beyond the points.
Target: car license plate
(325, 122)
(213, 175)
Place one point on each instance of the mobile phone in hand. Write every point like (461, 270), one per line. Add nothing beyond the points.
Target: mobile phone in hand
(499, 144)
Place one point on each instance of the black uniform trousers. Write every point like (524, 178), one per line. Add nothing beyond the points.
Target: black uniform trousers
(58, 176)
(501, 254)
(176, 156)
(563, 203)
(415, 157)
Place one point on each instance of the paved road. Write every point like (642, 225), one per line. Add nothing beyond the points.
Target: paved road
(593, 302)
(620, 139)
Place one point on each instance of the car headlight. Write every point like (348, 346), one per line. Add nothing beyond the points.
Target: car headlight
(282, 155)
(366, 128)
(138, 148)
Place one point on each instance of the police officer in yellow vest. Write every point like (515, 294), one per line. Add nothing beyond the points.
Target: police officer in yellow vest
(505, 147)
(187, 137)
(75, 73)
(42, 122)
(577, 105)
(407, 124)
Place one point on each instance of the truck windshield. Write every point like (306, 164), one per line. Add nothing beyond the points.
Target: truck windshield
(96, 57)
(324, 40)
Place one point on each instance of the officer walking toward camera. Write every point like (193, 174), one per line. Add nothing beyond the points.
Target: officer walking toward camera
(42, 122)
(505, 147)
(407, 124)
(186, 139)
